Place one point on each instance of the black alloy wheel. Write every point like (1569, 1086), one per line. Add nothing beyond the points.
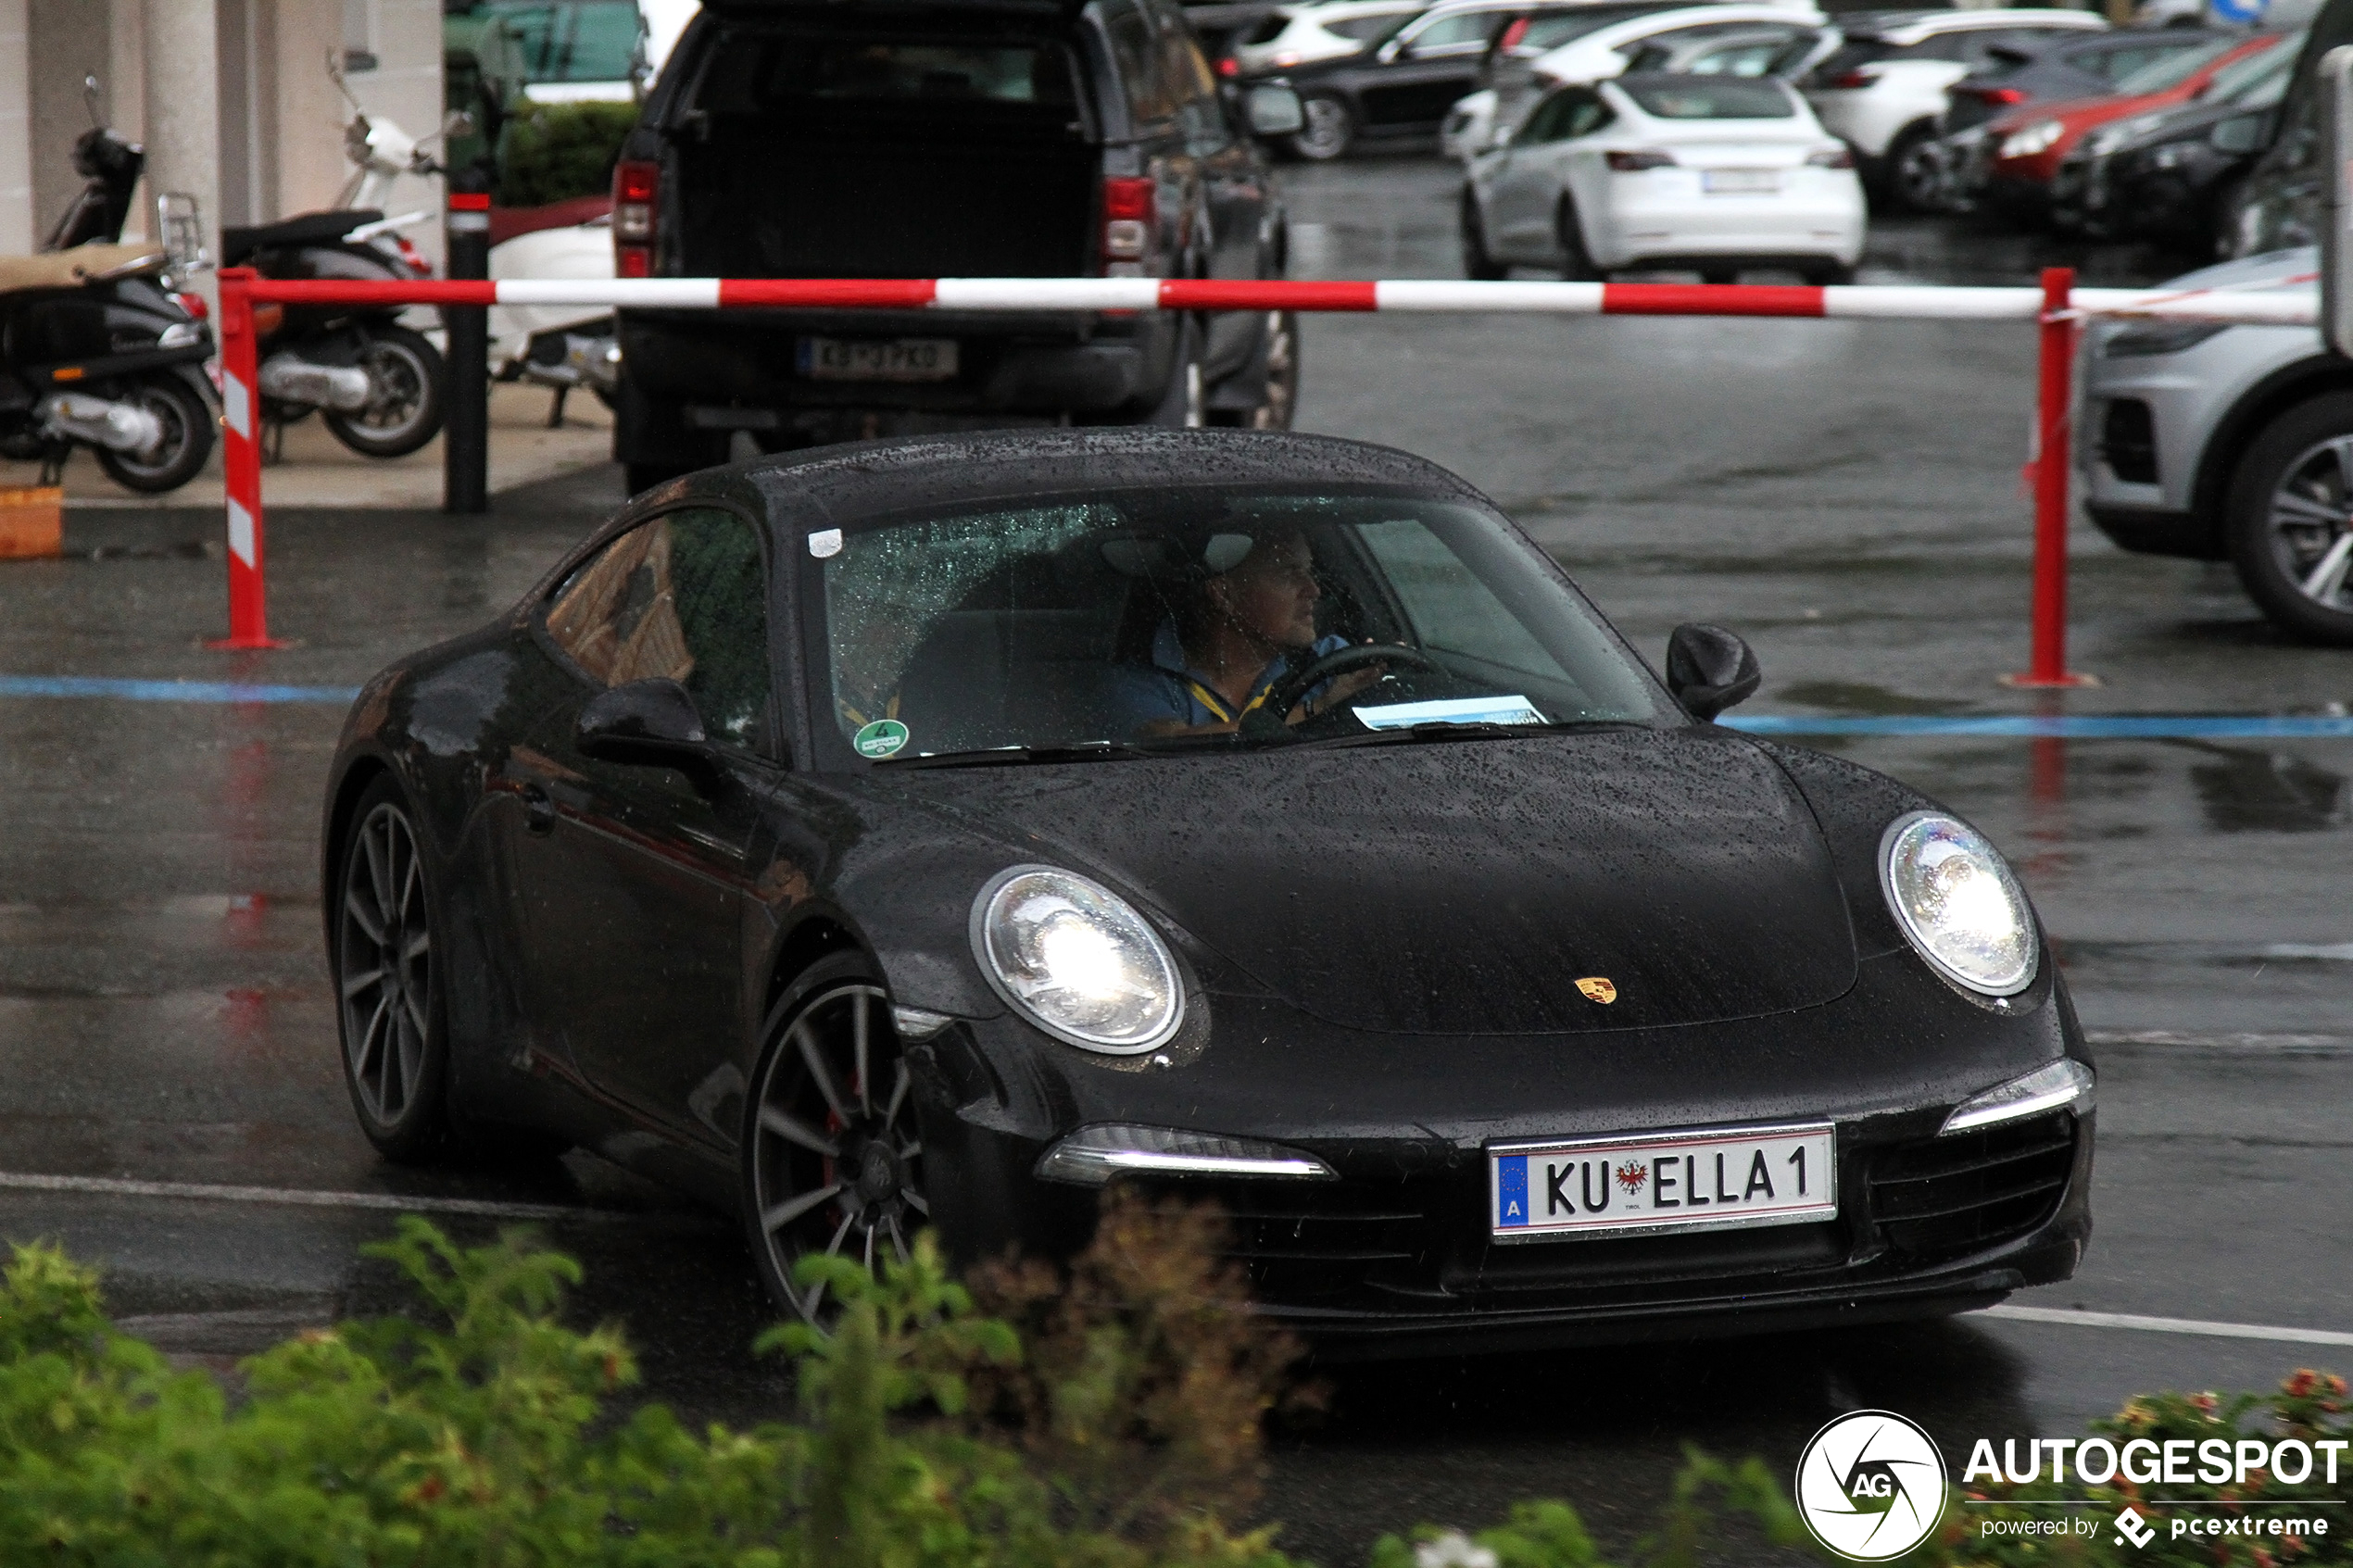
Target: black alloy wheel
(180, 456)
(1478, 262)
(2289, 518)
(1576, 261)
(406, 375)
(387, 981)
(1329, 130)
(1915, 172)
(832, 1156)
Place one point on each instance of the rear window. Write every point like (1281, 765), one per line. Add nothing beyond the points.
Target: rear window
(1712, 97)
(757, 76)
(1363, 29)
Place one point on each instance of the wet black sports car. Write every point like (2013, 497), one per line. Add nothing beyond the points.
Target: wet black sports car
(932, 832)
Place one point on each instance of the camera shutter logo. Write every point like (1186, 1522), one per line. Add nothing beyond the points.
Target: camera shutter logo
(1871, 1486)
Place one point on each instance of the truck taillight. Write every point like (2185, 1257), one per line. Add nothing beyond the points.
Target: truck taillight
(1127, 227)
(636, 190)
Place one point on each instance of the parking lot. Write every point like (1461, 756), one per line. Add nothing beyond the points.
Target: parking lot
(1846, 494)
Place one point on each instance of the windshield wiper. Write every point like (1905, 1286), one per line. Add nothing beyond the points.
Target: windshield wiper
(1005, 755)
(1444, 730)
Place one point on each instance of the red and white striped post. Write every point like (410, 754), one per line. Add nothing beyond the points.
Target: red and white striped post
(241, 464)
(2055, 394)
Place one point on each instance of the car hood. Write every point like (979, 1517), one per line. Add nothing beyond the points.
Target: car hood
(1458, 887)
(2294, 267)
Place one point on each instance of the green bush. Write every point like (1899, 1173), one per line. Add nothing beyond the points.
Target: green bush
(1105, 1416)
(554, 152)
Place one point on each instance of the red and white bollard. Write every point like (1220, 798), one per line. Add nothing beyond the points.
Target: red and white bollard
(241, 464)
(2055, 394)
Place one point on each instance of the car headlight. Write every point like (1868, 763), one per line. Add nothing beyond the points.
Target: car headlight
(1075, 959)
(1958, 904)
(2160, 337)
(2036, 138)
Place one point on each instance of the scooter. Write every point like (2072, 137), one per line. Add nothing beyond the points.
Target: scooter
(378, 385)
(100, 350)
(103, 353)
(559, 346)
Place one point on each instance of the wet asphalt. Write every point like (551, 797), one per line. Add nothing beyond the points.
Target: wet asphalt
(1846, 494)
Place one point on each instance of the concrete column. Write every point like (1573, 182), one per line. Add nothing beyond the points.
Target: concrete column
(70, 41)
(18, 230)
(182, 131)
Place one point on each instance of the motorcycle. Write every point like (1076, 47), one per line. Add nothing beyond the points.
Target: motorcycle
(379, 385)
(100, 350)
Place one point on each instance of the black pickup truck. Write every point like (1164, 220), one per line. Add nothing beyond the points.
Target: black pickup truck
(942, 138)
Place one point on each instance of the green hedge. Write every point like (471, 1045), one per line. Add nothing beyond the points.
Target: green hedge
(554, 152)
(1107, 1417)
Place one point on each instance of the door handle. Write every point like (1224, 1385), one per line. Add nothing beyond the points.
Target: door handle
(538, 810)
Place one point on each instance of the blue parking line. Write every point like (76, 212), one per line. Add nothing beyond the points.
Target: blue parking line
(2058, 726)
(169, 691)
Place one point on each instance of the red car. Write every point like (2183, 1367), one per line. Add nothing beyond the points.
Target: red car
(2013, 162)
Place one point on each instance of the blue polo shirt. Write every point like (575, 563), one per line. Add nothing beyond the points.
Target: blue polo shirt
(1169, 689)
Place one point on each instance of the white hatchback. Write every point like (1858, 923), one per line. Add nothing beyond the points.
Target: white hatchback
(1708, 173)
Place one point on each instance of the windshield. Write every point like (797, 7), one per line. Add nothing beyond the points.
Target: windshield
(566, 40)
(2171, 71)
(2261, 76)
(1204, 618)
(1692, 97)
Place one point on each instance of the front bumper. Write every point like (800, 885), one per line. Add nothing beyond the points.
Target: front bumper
(1395, 1257)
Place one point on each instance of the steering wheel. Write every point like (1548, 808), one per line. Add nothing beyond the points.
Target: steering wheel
(1284, 695)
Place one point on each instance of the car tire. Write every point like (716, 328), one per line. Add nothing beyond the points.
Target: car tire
(2289, 520)
(390, 1015)
(1910, 182)
(407, 377)
(1184, 404)
(1330, 127)
(1279, 402)
(1827, 274)
(1576, 261)
(832, 1153)
(187, 423)
(1479, 263)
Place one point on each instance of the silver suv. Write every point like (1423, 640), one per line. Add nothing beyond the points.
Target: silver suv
(2233, 444)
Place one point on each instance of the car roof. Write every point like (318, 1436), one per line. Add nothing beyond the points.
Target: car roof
(875, 478)
(1728, 12)
(1911, 26)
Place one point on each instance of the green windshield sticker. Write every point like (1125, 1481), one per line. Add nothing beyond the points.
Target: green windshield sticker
(880, 738)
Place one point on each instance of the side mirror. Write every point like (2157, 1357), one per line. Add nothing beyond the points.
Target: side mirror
(2240, 134)
(651, 721)
(1709, 670)
(1275, 110)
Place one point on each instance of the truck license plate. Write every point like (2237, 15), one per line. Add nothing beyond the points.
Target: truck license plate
(896, 359)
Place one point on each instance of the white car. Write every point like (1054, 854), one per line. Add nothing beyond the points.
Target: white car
(1884, 87)
(1296, 35)
(1709, 173)
(1591, 46)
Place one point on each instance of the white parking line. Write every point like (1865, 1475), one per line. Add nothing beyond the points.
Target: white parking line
(2168, 1325)
(114, 1187)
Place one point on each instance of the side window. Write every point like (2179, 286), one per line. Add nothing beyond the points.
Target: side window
(1137, 59)
(1454, 31)
(683, 596)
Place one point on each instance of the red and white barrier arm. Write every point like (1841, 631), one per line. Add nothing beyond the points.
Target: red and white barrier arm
(2298, 305)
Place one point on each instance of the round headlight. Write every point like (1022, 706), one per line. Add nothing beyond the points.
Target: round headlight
(1958, 902)
(1073, 956)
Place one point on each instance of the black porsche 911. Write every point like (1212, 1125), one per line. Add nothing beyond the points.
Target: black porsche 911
(932, 832)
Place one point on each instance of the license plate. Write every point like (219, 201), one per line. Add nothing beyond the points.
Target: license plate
(897, 359)
(1740, 181)
(1655, 1184)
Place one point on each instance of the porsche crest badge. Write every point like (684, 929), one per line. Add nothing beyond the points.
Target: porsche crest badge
(1598, 988)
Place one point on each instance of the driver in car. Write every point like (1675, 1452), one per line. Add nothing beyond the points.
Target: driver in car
(1231, 637)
